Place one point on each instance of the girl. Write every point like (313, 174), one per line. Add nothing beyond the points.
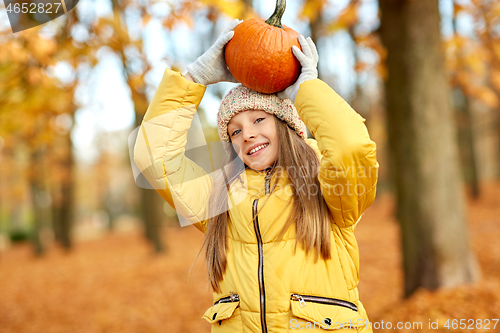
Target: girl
(280, 247)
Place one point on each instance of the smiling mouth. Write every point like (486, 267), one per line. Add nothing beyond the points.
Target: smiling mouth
(256, 149)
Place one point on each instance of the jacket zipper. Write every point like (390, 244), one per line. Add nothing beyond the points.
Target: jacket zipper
(302, 299)
(262, 291)
(267, 182)
(228, 299)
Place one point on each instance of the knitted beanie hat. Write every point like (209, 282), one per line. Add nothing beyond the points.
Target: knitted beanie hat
(240, 98)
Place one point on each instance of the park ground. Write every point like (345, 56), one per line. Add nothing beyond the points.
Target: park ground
(116, 284)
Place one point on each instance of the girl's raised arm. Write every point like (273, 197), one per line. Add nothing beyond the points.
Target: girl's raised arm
(160, 146)
(349, 168)
(159, 150)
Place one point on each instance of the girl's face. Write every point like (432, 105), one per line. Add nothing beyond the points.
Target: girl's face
(254, 132)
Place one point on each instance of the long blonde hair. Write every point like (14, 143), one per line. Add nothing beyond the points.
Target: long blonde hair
(309, 211)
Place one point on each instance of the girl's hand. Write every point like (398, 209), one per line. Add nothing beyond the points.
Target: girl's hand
(308, 59)
(211, 66)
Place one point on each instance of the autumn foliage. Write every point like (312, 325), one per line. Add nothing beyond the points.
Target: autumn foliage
(115, 284)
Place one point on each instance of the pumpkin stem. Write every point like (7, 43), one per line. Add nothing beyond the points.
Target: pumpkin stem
(275, 19)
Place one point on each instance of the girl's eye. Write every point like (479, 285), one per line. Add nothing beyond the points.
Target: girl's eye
(258, 120)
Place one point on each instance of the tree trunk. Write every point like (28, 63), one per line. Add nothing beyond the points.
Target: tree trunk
(465, 130)
(56, 214)
(317, 26)
(152, 214)
(489, 40)
(498, 144)
(62, 203)
(151, 202)
(66, 209)
(466, 142)
(423, 144)
(248, 4)
(40, 201)
(151, 211)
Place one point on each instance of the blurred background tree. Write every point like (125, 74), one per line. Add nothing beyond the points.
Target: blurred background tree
(424, 149)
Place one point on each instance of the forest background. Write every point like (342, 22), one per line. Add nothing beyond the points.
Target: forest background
(74, 222)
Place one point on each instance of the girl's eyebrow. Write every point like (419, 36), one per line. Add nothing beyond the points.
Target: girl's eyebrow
(233, 123)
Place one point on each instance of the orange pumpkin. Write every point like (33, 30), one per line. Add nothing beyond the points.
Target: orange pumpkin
(260, 53)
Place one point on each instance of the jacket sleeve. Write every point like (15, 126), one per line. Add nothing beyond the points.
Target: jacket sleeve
(349, 169)
(160, 146)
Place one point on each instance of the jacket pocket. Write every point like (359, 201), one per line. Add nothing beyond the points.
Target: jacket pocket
(324, 313)
(222, 310)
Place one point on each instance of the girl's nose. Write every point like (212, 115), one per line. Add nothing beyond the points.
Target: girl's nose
(248, 134)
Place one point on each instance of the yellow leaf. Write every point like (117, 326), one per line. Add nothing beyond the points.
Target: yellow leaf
(474, 61)
(347, 18)
(169, 22)
(34, 75)
(145, 19)
(231, 8)
(496, 50)
(495, 79)
(382, 71)
(42, 50)
(372, 41)
(496, 9)
(360, 66)
(462, 78)
(14, 52)
(485, 95)
(312, 8)
(457, 8)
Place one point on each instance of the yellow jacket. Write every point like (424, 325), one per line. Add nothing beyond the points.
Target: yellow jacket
(267, 287)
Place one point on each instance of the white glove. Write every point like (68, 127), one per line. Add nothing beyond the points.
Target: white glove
(211, 66)
(308, 59)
